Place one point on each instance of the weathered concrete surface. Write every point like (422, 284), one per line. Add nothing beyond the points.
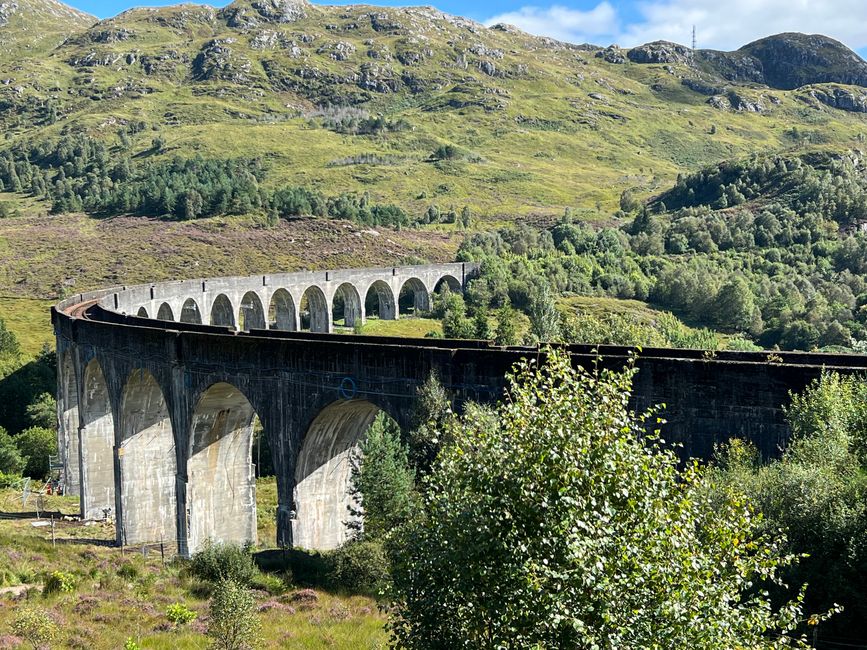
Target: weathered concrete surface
(322, 474)
(96, 439)
(181, 397)
(221, 487)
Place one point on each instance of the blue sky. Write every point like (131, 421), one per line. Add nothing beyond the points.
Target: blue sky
(720, 24)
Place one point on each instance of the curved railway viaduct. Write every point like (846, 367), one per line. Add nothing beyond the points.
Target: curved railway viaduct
(159, 386)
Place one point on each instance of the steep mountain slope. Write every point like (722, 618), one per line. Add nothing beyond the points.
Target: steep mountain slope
(31, 26)
(528, 124)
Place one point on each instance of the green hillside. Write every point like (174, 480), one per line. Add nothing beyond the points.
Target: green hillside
(535, 125)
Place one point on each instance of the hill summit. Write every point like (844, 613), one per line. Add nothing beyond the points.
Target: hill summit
(30, 26)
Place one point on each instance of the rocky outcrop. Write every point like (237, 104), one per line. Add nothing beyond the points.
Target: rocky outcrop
(660, 52)
(703, 87)
(216, 60)
(281, 11)
(612, 54)
(842, 98)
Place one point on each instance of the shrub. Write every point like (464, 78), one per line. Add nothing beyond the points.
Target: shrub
(233, 625)
(561, 522)
(358, 567)
(35, 626)
(59, 582)
(218, 562)
(179, 614)
(128, 571)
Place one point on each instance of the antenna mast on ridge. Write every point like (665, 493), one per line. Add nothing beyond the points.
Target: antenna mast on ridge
(693, 38)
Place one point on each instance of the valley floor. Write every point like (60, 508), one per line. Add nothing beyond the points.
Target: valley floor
(125, 595)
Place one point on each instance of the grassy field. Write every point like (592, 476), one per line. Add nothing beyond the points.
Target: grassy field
(29, 320)
(123, 595)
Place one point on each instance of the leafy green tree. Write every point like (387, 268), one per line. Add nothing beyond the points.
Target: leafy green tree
(456, 323)
(382, 484)
(36, 444)
(544, 317)
(506, 333)
(817, 493)
(9, 346)
(557, 522)
(735, 308)
(11, 460)
(42, 411)
(233, 624)
(432, 411)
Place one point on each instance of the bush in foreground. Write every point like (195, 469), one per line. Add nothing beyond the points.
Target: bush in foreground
(217, 562)
(233, 625)
(557, 522)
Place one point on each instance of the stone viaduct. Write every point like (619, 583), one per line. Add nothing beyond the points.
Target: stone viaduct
(159, 387)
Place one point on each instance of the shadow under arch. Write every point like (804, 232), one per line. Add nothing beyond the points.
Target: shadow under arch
(222, 313)
(67, 438)
(251, 314)
(282, 314)
(165, 312)
(414, 297)
(221, 483)
(97, 445)
(148, 501)
(190, 312)
(379, 301)
(314, 310)
(450, 281)
(142, 312)
(322, 473)
(346, 305)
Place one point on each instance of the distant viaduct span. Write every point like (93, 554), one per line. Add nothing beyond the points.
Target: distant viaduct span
(159, 386)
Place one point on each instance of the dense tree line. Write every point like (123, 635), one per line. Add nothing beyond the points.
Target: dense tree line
(79, 173)
(786, 271)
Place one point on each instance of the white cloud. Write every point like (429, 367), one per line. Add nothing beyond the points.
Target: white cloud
(564, 23)
(720, 24)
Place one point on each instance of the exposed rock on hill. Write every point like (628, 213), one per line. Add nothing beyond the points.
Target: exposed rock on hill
(787, 61)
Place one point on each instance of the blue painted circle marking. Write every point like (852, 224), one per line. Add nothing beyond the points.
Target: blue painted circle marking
(347, 388)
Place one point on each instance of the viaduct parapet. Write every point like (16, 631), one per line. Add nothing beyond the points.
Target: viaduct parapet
(160, 386)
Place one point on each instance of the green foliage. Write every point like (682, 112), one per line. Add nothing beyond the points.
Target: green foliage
(817, 493)
(232, 622)
(11, 460)
(179, 614)
(9, 346)
(35, 626)
(506, 333)
(425, 439)
(36, 444)
(224, 561)
(555, 521)
(59, 582)
(544, 317)
(382, 484)
(130, 644)
(359, 567)
(42, 411)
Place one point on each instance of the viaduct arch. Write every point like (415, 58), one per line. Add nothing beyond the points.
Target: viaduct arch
(156, 416)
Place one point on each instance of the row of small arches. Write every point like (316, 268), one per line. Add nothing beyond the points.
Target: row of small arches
(313, 311)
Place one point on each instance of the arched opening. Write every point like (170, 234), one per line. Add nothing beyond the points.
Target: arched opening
(222, 313)
(450, 281)
(165, 312)
(190, 312)
(97, 445)
(147, 463)
(346, 306)
(314, 311)
(251, 314)
(414, 298)
(379, 301)
(322, 474)
(221, 488)
(281, 312)
(67, 438)
(142, 313)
